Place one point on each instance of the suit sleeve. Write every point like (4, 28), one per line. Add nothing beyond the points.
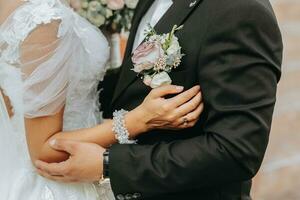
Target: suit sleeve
(239, 67)
(107, 88)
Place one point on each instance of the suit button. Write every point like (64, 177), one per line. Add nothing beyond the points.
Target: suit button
(136, 195)
(120, 197)
(128, 196)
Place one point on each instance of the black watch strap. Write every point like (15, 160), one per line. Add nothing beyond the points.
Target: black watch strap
(106, 164)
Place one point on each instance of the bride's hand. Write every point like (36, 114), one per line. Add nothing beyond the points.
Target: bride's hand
(179, 112)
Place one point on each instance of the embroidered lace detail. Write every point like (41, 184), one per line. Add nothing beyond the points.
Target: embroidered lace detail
(25, 20)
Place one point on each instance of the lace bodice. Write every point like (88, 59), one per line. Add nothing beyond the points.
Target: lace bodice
(50, 58)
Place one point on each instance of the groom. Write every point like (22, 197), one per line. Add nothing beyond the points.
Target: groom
(233, 49)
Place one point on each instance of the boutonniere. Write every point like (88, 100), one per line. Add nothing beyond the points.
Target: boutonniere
(155, 58)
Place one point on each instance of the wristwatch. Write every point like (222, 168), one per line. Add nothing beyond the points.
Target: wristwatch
(106, 164)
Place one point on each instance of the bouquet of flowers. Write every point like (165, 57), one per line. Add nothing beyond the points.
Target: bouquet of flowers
(157, 56)
(113, 16)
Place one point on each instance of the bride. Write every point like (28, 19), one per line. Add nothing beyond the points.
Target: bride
(51, 61)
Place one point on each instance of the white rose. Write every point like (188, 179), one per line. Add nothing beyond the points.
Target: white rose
(95, 18)
(131, 3)
(160, 79)
(94, 6)
(84, 4)
(109, 13)
(147, 80)
(174, 48)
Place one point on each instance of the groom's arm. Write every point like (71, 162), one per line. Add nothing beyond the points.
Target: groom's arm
(239, 68)
(107, 88)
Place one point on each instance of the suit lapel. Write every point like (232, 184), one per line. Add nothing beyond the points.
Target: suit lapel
(140, 12)
(126, 74)
(176, 15)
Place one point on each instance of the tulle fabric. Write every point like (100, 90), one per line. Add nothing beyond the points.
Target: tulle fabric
(50, 58)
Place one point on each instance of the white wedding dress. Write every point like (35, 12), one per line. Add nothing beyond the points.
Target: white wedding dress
(50, 58)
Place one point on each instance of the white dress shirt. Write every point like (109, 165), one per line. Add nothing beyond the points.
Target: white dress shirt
(152, 17)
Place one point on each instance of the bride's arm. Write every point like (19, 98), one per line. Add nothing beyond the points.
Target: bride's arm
(40, 131)
(154, 113)
(101, 134)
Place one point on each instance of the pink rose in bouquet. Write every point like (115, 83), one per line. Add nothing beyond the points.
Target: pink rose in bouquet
(115, 4)
(146, 56)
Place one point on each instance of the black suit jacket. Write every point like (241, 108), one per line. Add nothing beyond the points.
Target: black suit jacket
(234, 51)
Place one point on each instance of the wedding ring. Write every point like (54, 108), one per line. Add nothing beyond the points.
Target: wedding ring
(185, 121)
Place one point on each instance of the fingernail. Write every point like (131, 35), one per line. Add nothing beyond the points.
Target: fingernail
(52, 143)
(179, 88)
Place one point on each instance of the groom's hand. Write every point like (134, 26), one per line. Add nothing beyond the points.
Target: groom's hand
(85, 163)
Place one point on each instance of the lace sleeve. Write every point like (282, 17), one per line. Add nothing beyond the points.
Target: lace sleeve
(62, 58)
(37, 39)
(45, 71)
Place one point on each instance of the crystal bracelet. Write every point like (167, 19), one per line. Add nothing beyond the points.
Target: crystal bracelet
(119, 128)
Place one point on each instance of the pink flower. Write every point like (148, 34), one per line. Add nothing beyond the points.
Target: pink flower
(146, 56)
(115, 4)
(76, 4)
